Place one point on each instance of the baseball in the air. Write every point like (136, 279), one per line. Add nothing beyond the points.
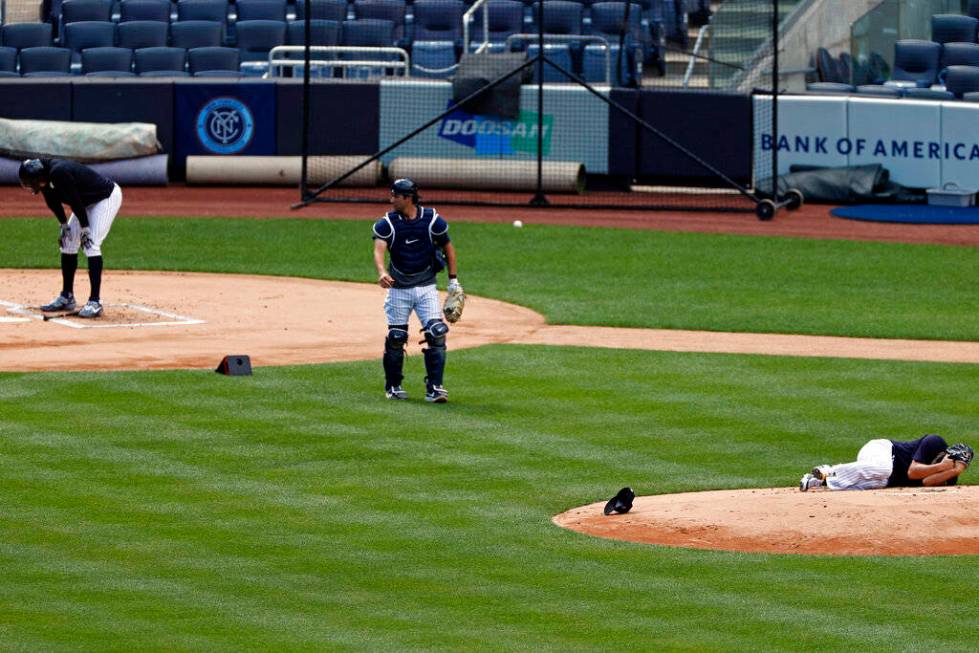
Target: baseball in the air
(518, 223)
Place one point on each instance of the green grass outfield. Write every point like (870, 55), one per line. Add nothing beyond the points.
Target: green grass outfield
(298, 510)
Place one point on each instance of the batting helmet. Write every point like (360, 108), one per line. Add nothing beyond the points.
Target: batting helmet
(405, 188)
(32, 172)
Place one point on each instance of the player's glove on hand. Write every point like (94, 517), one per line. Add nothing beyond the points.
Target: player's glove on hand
(64, 236)
(455, 301)
(87, 238)
(961, 452)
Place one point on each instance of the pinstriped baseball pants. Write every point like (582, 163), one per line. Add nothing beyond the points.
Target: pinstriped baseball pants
(400, 302)
(100, 217)
(873, 467)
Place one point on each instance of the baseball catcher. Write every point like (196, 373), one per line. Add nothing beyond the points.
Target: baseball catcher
(416, 240)
(927, 461)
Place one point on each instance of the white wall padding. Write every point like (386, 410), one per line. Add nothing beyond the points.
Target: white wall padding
(480, 174)
(279, 170)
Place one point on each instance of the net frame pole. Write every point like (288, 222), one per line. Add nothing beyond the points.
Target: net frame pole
(775, 83)
(539, 199)
(304, 174)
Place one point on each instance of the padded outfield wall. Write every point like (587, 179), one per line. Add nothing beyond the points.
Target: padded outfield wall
(264, 117)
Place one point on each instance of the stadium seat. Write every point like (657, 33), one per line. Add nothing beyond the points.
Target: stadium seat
(830, 88)
(8, 59)
(593, 63)
(916, 61)
(45, 62)
(560, 54)
(88, 34)
(367, 32)
(927, 94)
(972, 9)
(260, 10)
(322, 32)
(26, 35)
(439, 20)
(392, 10)
(878, 90)
(608, 20)
(75, 11)
(960, 54)
(962, 79)
(560, 17)
(212, 10)
(335, 10)
(435, 59)
(505, 18)
(156, 10)
(160, 62)
(108, 61)
(191, 34)
(948, 28)
(142, 34)
(828, 68)
(213, 62)
(257, 37)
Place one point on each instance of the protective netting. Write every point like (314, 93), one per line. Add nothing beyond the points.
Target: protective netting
(636, 108)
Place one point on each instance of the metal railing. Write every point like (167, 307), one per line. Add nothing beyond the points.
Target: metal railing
(702, 34)
(278, 63)
(568, 38)
(466, 17)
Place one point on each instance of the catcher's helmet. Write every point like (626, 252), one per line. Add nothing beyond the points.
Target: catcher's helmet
(32, 173)
(406, 188)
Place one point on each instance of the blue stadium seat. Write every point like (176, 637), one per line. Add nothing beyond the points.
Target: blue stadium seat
(828, 68)
(88, 34)
(878, 90)
(927, 94)
(608, 20)
(26, 35)
(560, 54)
(45, 62)
(962, 79)
(212, 10)
(435, 59)
(972, 9)
(257, 37)
(260, 10)
(392, 10)
(439, 20)
(593, 63)
(157, 10)
(191, 34)
(335, 10)
(367, 32)
(830, 88)
(160, 62)
(108, 61)
(137, 34)
(948, 28)
(505, 18)
(74, 11)
(560, 17)
(214, 61)
(916, 61)
(960, 54)
(8, 59)
(322, 32)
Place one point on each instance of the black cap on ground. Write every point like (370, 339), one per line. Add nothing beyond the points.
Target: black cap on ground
(621, 502)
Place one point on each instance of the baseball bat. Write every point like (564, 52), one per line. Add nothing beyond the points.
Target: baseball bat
(52, 317)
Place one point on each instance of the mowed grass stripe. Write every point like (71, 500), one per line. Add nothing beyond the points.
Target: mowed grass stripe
(297, 509)
(575, 275)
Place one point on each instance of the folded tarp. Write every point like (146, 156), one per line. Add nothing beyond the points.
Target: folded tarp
(80, 141)
(844, 185)
(144, 171)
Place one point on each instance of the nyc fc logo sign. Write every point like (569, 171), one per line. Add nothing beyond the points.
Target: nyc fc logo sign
(225, 126)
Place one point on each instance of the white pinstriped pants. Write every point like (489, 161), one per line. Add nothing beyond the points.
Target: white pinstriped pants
(873, 467)
(100, 217)
(400, 302)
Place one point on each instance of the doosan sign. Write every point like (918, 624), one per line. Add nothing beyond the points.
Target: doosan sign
(490, 136)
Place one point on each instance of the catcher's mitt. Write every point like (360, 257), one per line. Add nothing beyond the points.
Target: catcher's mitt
(961, 452)
(455, 301)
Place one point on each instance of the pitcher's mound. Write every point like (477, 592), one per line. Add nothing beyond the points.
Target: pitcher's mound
(891, 522)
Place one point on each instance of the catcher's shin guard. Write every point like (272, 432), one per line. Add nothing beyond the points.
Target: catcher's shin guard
(434, 332)
(394, 355)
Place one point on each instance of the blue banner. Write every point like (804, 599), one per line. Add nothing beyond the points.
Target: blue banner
(224, 119)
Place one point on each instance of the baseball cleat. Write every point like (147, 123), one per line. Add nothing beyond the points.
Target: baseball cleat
(808, 482)
(60, 303)
(91, 308)
(437, 394)
(822, 471)
(395, 392)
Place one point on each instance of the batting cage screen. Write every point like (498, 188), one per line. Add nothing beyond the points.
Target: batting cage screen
(555, 103)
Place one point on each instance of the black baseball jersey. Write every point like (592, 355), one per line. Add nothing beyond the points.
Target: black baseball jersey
(923, 450)
(414, 246)
(76, 185)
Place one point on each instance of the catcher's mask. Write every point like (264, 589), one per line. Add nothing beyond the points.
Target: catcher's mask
(405, 188)
(621, 502)
(32, 175)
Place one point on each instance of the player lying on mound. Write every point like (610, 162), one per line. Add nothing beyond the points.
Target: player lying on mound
(889, 463)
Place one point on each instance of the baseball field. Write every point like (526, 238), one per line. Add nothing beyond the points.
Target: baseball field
(297, 509)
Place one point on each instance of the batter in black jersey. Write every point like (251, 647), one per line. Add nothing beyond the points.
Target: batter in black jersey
(94, 202)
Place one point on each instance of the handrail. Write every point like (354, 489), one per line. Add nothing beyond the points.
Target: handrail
(695, 53)
(466, 17)
(568, 37)
(277, 65)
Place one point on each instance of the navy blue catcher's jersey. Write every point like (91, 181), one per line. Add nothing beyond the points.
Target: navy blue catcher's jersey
(414, 246)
